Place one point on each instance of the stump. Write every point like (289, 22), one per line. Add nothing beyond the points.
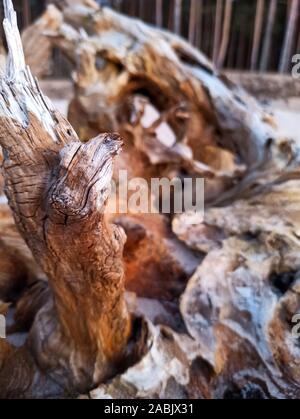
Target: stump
(57, 189)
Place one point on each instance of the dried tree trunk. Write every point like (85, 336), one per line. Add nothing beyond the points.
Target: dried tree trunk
(239, 304)
(180, 118)
(57, 189)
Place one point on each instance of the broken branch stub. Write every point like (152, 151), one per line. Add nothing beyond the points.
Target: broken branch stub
(57, 189)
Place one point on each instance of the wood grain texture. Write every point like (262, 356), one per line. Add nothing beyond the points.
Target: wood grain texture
(57, 189)
(179, 116)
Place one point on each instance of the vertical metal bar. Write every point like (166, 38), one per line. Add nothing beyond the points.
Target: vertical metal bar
(170, 17)
(193, 21)
(205, 39)
(298, 40)
(159, 13)
(268, 36)
(226, 33)
(199, 28)
(259, 19)
(210, 29)
(218, 30)
(177, 16)
(289, 37)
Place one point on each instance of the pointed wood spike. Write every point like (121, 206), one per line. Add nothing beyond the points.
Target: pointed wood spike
(16, 60)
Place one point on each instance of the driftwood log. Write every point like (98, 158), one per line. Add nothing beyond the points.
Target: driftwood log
(38, 49)
(178, 117)
(57, 189)
(80, 331)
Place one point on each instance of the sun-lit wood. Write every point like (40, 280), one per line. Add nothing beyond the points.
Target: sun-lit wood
(57, 190)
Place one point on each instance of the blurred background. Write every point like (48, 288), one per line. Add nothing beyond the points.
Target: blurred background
(251, 41)
(249, 35)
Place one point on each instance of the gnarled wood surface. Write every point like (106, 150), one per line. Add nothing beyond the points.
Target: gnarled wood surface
(232, 334)
(57, 189)
(179, 117)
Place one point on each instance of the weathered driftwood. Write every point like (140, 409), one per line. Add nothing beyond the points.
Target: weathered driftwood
(38, 49)
(57, 189)
(37, 46)
(179, 117)
(157, 240)
(164, 94)
(80, 331)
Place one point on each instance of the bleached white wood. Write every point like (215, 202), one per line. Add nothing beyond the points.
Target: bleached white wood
(16, 60)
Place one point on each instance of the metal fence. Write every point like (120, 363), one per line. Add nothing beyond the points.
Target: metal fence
(256, 35)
